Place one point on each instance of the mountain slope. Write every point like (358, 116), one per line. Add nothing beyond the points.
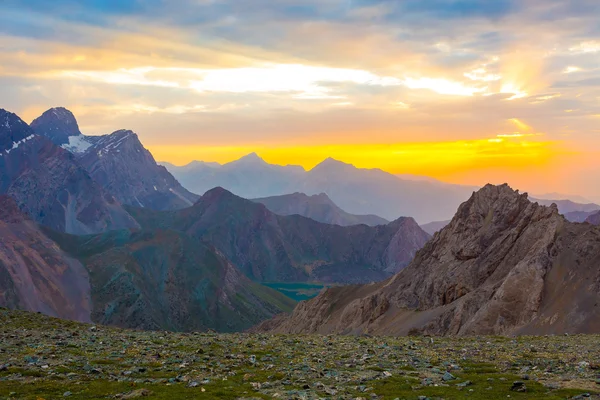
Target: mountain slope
(143, 280)
(594, 219)
(163, 279)
(35, 275)
(272, 248)
(318, 207)
(504, 265)
(119, 162)
(579, 216)
(434, 227)
(49, 184)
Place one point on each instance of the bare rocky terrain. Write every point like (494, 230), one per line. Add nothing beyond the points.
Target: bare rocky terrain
(504, 265)
(47, 358)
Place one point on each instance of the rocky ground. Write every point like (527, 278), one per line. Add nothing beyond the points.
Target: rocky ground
(46, 358)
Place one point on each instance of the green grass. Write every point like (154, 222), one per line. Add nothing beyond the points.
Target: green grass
(485, 386)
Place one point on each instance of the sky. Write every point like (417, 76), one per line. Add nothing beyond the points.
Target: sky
(466, 91)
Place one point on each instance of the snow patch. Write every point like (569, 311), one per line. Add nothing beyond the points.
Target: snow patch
(77, 144)
(17, 144)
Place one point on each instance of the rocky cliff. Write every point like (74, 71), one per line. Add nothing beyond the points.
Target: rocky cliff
(504, 265)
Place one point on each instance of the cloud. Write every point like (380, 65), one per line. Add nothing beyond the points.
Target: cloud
(322, 71)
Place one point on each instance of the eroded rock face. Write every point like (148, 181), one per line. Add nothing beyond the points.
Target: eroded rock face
(35, 275)
(49, 184)
(503, 265)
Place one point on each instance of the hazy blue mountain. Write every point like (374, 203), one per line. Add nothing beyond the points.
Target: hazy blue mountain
(318, 207)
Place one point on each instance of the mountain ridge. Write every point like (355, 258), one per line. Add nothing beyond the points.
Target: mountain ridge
(273, 248)
(318, 207)
(504, 265)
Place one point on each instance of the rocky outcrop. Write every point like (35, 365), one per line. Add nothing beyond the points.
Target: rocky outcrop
(50, 185)
(504, 265)
(35, 275)
(318, 207)
(120, 163)
(273, 248)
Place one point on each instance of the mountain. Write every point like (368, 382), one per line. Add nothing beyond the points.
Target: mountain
(594, 219)
(60, 126)
(355, 190)
(248, 177)
(166, 280)
(273, 248)
(49, 184)
(318, 207)
(579, 216)
(119, 162)
(568, 206)
(504, 265)
(35, 275)
(140, 279)
(434, 227)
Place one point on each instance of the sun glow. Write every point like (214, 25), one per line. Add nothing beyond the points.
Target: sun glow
(443, 160)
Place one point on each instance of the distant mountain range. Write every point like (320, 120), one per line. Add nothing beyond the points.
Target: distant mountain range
(154, 279)
(273, 248)
(356, 191)
(318, 207)
(504, 265)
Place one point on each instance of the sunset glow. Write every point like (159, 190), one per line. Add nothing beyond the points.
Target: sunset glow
(490, 90)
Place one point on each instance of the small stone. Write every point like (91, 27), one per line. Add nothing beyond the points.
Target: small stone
(448, 377)
(67, 394)
(464, 384)
(518, 386)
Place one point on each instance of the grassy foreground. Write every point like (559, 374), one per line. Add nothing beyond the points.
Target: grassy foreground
(45, 358)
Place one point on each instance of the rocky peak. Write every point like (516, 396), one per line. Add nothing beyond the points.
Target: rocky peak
(13, 132)
(122, 165)
(331, 164)
(504, 265)
(250, 159)
(57, 124)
